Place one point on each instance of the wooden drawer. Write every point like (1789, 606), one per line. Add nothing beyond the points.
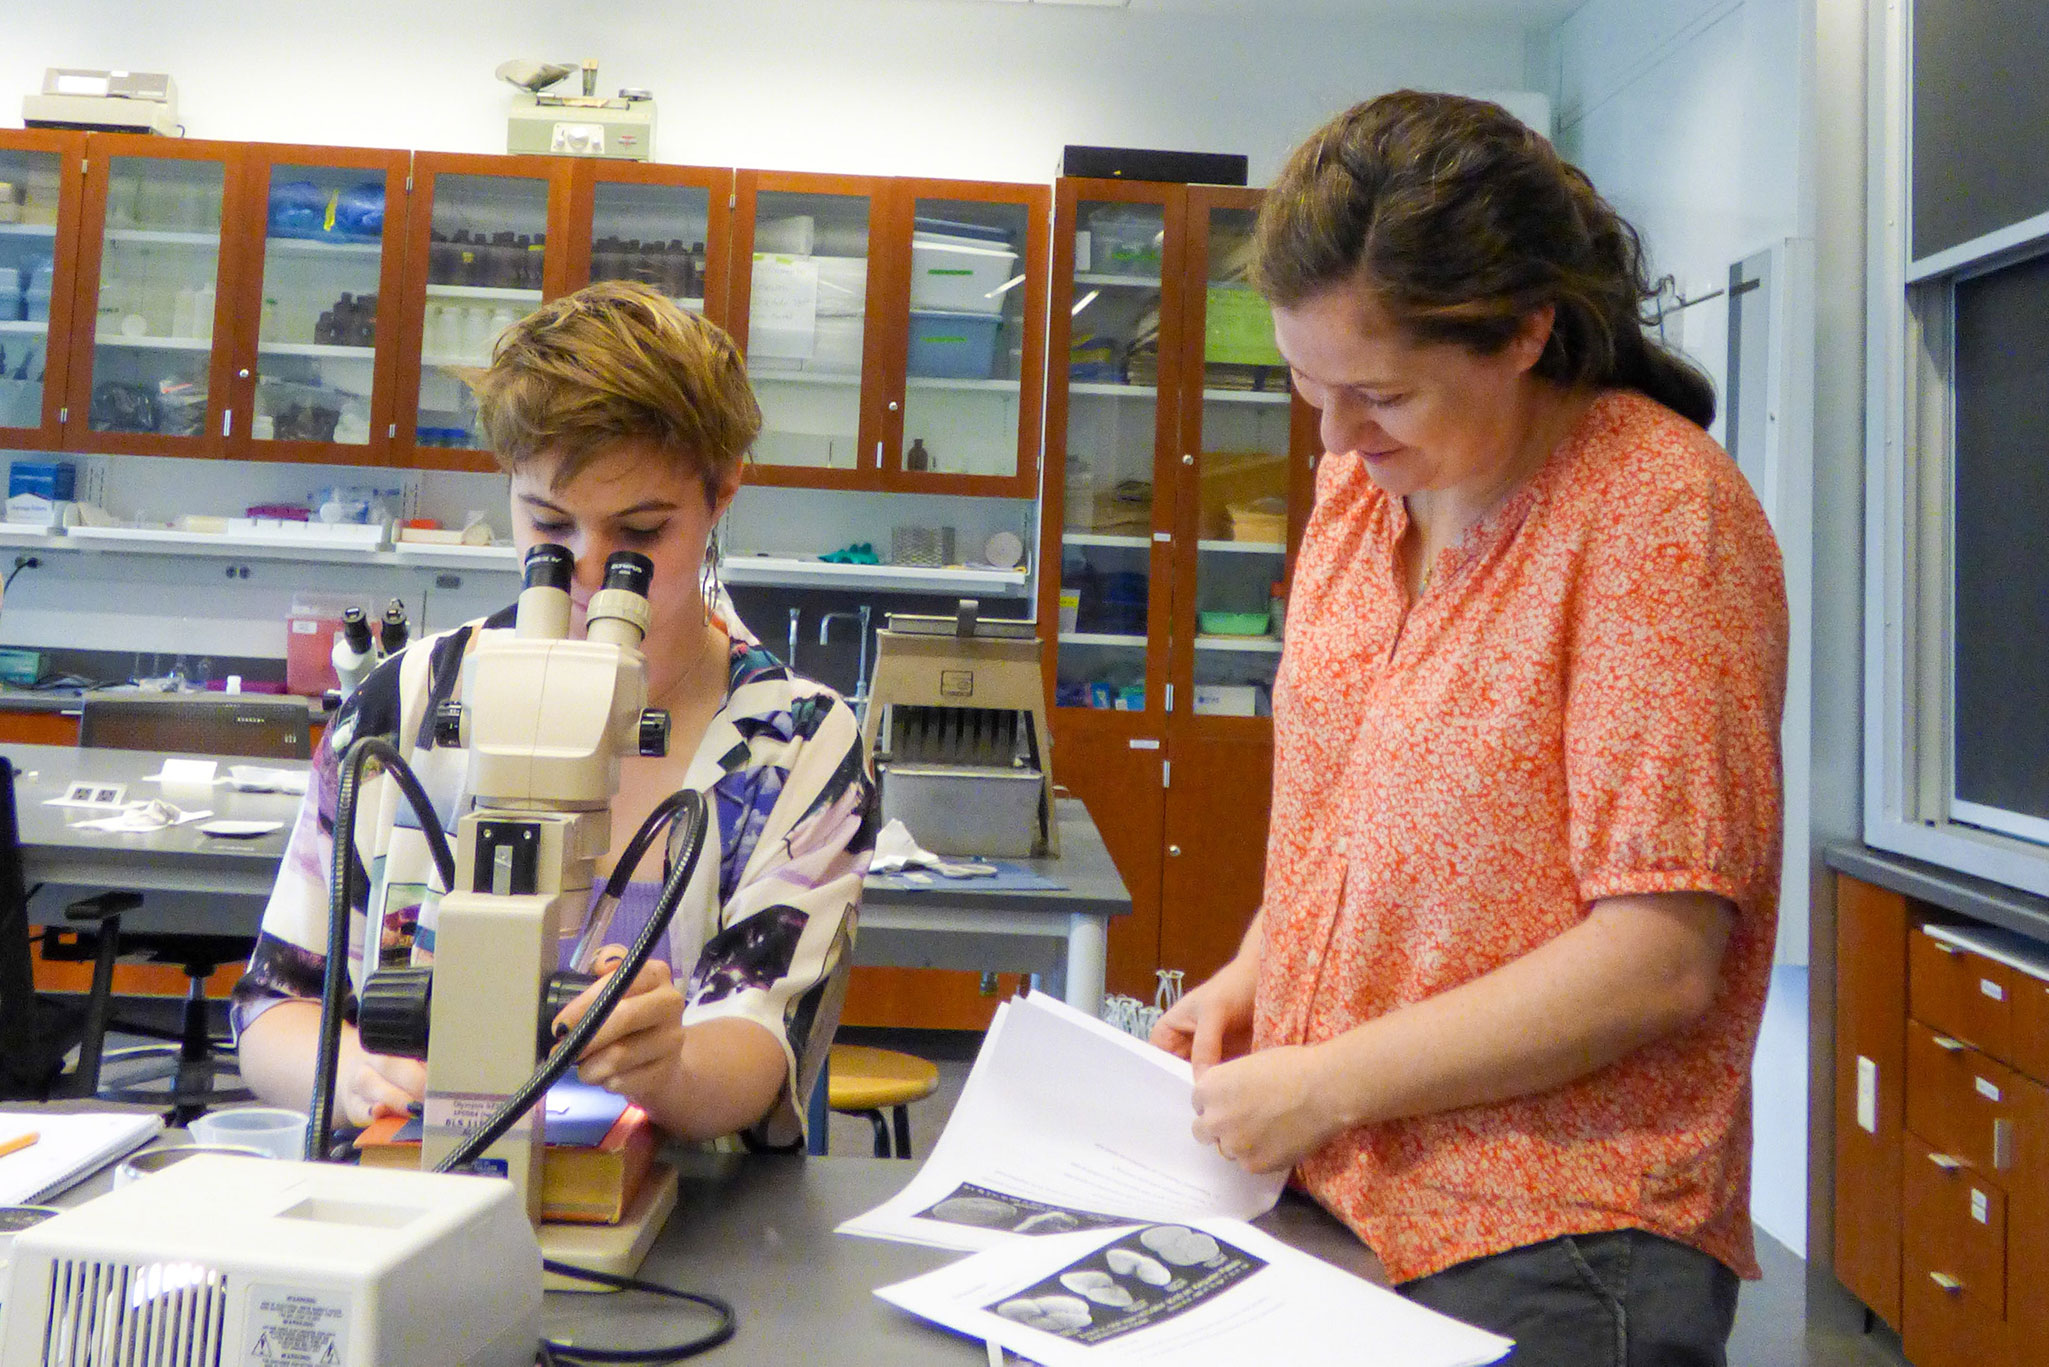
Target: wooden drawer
(1944, 1322)
(1955, 1223)
(2030, 1026)
(1961, 994)
(1960, 1101)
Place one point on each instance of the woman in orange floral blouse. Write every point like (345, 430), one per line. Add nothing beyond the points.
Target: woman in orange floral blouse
(1521, 888)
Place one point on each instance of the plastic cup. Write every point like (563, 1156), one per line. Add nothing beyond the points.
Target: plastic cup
(270, 1130)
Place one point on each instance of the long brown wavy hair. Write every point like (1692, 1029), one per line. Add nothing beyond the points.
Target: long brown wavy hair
(1462, 221)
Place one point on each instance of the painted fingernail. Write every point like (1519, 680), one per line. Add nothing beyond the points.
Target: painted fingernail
(415, 1108)
(561, 1029)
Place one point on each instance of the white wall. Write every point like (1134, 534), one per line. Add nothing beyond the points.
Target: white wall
(896, 87)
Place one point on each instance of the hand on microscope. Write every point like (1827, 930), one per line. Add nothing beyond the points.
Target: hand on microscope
(698, 1081)
(638, 1052)
(376, 1085)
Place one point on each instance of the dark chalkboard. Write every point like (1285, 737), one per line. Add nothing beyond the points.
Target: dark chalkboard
(1981, 118)
(2002, 538)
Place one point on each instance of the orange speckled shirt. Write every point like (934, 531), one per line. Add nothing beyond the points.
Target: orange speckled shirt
(1584, 703)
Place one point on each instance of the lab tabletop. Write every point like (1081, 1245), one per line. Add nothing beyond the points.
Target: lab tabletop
(211, 884)
(757, 1229)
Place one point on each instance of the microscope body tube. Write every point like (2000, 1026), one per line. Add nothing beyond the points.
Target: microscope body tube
(544, 720)
(355, 653)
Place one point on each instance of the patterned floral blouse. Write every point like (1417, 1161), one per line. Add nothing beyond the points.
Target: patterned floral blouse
(1583, 704)
(768, 939)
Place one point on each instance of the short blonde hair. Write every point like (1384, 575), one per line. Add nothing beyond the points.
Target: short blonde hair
(618, 361)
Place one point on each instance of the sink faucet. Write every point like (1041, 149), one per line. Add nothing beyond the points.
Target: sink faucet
(859, 700)
(790, 655)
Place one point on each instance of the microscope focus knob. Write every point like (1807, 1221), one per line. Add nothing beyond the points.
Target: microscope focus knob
(392, 1015)
(448, 725)
(654, 732)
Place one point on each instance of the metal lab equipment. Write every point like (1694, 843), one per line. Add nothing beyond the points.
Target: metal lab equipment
(104, 101)
(586, 125)
(957, 724)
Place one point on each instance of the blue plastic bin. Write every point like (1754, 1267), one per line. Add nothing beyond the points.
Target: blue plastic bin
(953, 346)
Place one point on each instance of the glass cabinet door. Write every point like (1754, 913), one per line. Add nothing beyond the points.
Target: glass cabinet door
(152, 336)
(1243, 423)
(324, 316)
(804, 329)
(486, 251)
(965, 401)
(32, 184)
(657, 234)
(1107, 593)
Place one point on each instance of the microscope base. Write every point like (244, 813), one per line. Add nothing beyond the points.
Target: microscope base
(617, 1249)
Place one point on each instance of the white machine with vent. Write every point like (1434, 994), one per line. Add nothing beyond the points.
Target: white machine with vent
(232, 1262)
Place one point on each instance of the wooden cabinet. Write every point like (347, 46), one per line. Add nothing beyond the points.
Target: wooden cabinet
(1871, 1095)
(894, 330)
(1942, 1131)
(1178, 482)
(38, 282)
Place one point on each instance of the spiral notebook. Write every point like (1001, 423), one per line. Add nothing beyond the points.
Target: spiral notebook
(69, 1147)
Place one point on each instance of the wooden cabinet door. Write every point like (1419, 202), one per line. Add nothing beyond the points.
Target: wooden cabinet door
(806, 301)
(962, 416)
(322, 239)
(38, 254)
(1870, 1072)
(155, 332)
(1118, 778)
(666, 226)
(1219, 796)
(481, 253)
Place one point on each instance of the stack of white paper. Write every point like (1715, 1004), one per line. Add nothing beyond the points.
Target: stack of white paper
(70, 1146)
(1204, 1292)
(1065, 1124)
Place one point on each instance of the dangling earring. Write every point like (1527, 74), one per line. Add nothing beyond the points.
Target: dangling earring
(708, 586)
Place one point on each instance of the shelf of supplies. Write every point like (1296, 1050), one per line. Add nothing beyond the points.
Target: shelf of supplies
(1101, 638)
(312, 246)
(444, 362)
(28, 230)
(689, 305)
(792, 572)
(969, 386)
(447, 555)
(317, 349)
(16, 327)
(17, 533)
(842, 378)
(1115, 391)
(351, 539)
(1273, 396)
(1244, 547)
(154, 343)
(1251, 645)
(163, 237)
(1136, 282)
(1131, 543)
(485, 293)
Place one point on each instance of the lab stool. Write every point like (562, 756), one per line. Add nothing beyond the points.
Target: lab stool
(865, 1081)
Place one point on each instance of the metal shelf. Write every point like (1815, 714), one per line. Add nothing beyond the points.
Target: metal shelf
(1252, 645)
(1102, 638)
(163, 237)
(791, 572)
(1133, 543)
(155, 343)
(318, 349)
(483, 293)
(1244, 547)
(1136, 282)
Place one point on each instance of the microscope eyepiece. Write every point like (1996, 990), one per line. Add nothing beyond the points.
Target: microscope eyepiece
(629, 570)
(549, 566)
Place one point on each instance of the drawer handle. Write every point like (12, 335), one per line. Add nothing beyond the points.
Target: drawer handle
(1945, 1162)
(1945, 947)
(2002, 1144)
(1950, 1044)
(1946, 1282)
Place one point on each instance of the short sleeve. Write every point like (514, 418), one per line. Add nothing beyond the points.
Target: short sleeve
(1675, 691)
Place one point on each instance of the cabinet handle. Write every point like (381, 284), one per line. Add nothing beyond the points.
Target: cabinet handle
(1946, 1282)
(2002, 1144)
(1945, 947)
(1188, 460)
(1949, 1044)
(1945, 1162)
(243, 374)
(1174, 850)
(893, 405)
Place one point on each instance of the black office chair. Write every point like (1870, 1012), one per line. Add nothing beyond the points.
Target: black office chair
(191, 1075)
(36, 1032)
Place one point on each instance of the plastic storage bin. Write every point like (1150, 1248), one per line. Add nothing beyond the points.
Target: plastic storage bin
(953, 346)
(959, 274)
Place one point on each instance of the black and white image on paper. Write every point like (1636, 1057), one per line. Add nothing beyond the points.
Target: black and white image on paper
(1143, 1279)
(984, 1208)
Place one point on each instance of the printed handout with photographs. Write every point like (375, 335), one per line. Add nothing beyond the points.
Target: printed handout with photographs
(1066, 1124)
(1204, 1291)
